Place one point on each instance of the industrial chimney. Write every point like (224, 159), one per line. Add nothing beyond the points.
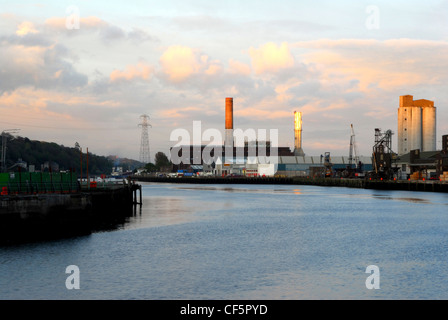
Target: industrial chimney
(229, 123)
(298, 134)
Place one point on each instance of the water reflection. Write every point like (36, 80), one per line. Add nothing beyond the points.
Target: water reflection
(161, 211)
(240, 190)
(407, 199)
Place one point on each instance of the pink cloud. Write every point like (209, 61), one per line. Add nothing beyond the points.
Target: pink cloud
(388, 64)
(236, 67)
(176, 112)
(84, 22)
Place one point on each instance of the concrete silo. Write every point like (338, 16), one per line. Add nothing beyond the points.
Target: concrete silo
(416, 125)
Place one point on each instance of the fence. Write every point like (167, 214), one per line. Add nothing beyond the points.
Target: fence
(38, 182)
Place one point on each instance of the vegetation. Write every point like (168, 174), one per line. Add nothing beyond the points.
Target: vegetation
(162, 163)
(161, 160)
(46, 155)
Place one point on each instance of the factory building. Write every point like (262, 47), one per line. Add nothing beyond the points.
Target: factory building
(308, 165)
(423, 164)
(416, 125)
(254, 159)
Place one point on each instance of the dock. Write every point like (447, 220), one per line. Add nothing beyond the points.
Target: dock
(47, 206)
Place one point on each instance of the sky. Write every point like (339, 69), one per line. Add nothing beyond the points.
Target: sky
(85, 71)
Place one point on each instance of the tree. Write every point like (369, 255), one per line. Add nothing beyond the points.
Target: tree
(151, 167)
(161, 160)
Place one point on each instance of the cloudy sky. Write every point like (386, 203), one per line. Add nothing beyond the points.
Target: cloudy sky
(85, 71)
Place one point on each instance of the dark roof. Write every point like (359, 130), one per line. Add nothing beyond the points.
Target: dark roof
(425, 157)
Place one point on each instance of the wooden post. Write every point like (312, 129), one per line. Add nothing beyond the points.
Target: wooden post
(87, 168)
(80, 178)
(140, 188)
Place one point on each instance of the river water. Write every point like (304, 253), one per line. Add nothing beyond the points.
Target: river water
(247, 242)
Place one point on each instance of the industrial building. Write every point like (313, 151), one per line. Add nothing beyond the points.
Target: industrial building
(315, 165)
(416, 125)
(254, 158)
(423, 164)
(417, 156)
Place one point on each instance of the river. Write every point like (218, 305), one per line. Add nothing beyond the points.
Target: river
(278, 242)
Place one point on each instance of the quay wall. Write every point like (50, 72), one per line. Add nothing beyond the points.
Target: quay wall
(29, 217)
(429, 186)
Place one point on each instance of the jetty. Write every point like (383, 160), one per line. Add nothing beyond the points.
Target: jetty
(44, 205)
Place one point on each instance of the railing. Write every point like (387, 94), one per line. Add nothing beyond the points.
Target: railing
(103, 185)
(67, 186)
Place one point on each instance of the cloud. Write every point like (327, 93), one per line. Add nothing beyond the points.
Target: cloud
(91, 22)
(106, 31)
(387, 65)
(236, 67)
(180, 62)
(271, 58)
(40, 67)
(25, 28)
(179, 113)
(141, 71)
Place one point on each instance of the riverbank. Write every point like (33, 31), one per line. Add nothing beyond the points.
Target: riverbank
(404, 185)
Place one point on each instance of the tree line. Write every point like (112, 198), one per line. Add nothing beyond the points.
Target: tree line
(48, 156)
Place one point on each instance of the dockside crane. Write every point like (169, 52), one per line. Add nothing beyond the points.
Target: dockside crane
(383, 155)
(353, 153)
(354, 167)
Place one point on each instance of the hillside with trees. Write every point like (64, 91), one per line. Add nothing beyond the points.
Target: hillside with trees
(47, 156)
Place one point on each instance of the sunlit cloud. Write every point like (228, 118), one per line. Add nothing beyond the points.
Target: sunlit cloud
(91, 22)
(180, 62)
(271, 58)
(25, 28)
(375, 64)
(111, 71)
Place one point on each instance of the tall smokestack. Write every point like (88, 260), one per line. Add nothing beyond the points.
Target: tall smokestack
(229, 122)
(298, 134)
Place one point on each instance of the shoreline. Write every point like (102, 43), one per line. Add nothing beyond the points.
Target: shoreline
(403, 185)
